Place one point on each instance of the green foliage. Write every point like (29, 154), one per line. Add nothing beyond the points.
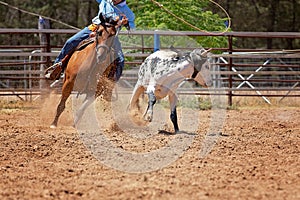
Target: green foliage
(264, 16)
(268, 15)
(150, 16)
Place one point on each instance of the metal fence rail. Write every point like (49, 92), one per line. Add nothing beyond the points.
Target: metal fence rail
(240, 72)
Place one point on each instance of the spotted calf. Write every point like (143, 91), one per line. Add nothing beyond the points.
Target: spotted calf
(162, 72)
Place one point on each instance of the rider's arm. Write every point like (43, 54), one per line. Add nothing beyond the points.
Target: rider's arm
(130, 16)
(106, 8)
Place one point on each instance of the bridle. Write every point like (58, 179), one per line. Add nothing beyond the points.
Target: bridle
(104, 45)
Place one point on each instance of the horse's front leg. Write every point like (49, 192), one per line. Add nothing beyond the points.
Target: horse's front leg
(90, 98)
(66, 91)
(148, 116)
(173, 116)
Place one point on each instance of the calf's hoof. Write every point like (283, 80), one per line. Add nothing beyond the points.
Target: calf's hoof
(52, 126)
(148, 116)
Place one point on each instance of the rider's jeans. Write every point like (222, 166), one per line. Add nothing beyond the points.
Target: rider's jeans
(74, 41)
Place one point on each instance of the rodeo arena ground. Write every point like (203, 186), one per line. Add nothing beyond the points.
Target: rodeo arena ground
(238, 138)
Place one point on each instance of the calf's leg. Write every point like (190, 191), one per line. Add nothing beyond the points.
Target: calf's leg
(173, 116)
(148, 116)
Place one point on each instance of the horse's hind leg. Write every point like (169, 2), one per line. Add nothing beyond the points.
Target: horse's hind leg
(66, 91)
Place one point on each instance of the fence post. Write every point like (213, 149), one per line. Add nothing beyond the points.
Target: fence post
(230, 49)
(45, 37)
(143, 45)
(45, 46)
(156, 42)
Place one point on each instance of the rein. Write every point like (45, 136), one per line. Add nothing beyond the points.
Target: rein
(99, 34)
(106, 49)
(104, 46)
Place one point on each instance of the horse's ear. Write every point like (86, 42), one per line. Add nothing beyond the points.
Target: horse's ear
(102, 18)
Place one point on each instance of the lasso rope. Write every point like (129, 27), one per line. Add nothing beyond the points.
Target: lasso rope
(191, 25)
(38, 15)
(155, 2)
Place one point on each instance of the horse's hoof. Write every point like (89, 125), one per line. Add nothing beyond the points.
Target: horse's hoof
(52, 126)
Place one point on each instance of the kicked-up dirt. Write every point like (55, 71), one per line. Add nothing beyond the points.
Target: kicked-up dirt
(256, 156)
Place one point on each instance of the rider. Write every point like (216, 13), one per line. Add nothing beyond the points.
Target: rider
(109, 8)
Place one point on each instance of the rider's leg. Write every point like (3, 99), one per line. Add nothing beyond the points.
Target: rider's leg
(72, 43)
(120, 67)
(119, 58)
(68, 47)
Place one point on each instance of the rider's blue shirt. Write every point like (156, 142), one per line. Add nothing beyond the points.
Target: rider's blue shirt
(107, 8)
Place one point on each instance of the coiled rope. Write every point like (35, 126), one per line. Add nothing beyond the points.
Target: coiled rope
(155, 2)
(191, 25)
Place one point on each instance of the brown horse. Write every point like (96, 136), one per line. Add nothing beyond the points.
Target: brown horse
(87, 66)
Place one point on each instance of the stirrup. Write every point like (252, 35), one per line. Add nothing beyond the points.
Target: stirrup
(53, 72)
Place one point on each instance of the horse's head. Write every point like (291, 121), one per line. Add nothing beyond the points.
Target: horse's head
(201, 63)
(104, 36)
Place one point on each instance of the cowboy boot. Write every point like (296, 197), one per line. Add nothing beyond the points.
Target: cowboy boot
(54, 71)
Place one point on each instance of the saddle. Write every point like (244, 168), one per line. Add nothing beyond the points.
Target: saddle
(55, 74)
(84, 44)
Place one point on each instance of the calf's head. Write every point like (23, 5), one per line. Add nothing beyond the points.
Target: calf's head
(201, 64)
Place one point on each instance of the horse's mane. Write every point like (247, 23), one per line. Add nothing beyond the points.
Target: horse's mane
(108, 21)
(111, 21)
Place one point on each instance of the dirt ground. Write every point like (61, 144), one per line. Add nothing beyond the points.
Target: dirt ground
(255, 157)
